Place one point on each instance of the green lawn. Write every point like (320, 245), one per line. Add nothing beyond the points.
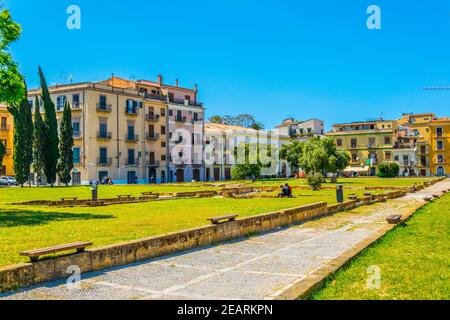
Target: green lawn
(414, 260)
(29, 227)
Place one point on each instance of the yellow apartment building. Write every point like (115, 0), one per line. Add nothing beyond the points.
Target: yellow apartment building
(368, 142)
(439, 147)
(7, 138)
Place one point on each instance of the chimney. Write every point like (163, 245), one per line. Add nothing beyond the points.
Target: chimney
(160, 78)
(176, 83)
(196, 87)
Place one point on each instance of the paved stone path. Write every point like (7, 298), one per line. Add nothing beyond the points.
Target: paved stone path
(258, 267)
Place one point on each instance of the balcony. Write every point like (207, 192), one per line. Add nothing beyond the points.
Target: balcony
(5, 128)
(131, 138)
(152, 117)
(77, 135)
(104, 162)
(155, 97)
(104, 135)
(152, 136)
(76, 107)
(104, 107)
(131, 112)
(440, 163)
(181, 119)
(132, 162)
(185, 102)
(153, 163)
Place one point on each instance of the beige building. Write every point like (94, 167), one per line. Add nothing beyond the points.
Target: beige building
(122, 129)
(221, 141)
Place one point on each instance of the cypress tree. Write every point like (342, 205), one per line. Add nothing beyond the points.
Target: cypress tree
(23, 138)
(38, 144)
(65, 163)
(51, 154)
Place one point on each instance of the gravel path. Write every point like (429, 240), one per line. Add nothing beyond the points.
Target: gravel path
(258, 267)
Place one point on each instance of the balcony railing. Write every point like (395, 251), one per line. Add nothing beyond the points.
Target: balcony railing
(155, 97)
(5, 128)
(131, 138)
(104, 107)
(180, 119)
(153, 163)
(77, 135)
(152, 136)
(132, 161)
(104, 162)
(186, 102)
(104, 135)
(152, 117)
(131, 112)
(76, 106)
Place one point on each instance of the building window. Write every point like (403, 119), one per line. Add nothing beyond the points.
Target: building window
(396, 158)
(440, 145)
(354, 157)
(354, 143)
(76, 155)
(131, 159)
(3, 124)
(439, 132)
(163, 157)
(339, 142)
(387, 156)
(371, 141)
(163, 144)
(163, 112)
(440, 158)
(76, 100)
(76, 128)
(387, 140)
(163, 129)
(170, 113)
(102, 102)
(60, 102)
(195, 116)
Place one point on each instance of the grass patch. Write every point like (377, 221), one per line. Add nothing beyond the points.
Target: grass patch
(414, 260)
(29, 227)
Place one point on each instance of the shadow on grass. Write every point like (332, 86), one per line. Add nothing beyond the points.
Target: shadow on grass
(17, 218)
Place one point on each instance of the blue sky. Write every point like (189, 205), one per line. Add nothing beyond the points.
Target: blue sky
(273, 59)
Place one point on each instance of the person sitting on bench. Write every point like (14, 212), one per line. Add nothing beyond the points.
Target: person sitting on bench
(284, 192)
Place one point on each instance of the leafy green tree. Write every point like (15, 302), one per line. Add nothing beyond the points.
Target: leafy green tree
(257, 126)
(320, 155)
(292, 153)
(388, 170)
(38, 144)
(65, 163)
(216, 119)
(51, 154)
(11, 81)
(243, 120)
(249, 164)
(2, 152)
(315, 180)
(23, 139)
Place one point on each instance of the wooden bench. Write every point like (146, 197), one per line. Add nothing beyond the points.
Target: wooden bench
(228, 218)
(69, 198)
(35, 254)
(394, 219)
(124, 196)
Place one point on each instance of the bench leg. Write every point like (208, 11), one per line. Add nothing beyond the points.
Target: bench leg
(34, 259)
(80, 250)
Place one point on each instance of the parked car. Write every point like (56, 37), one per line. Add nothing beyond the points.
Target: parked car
(8, 181)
